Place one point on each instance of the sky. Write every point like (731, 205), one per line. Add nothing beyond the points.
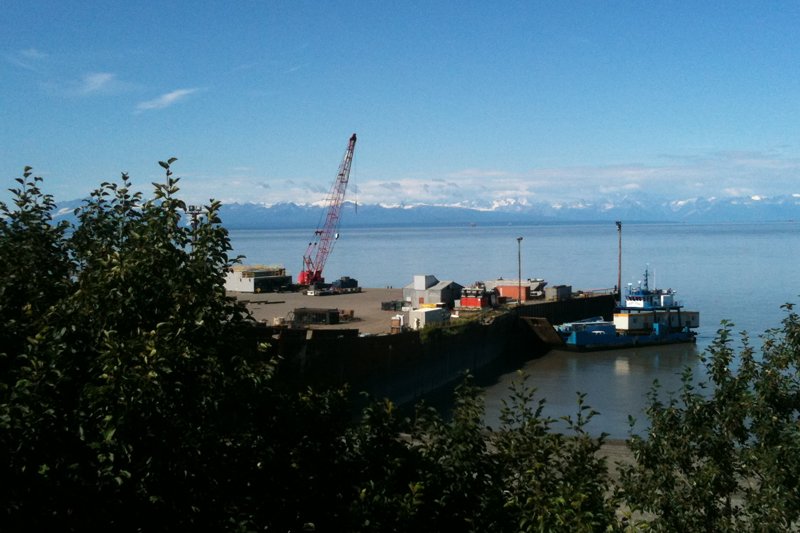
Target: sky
(453, 103)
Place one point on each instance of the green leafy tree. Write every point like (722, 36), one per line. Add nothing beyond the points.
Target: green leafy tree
(385, 470)
(35, 262)
(722, 455)
(553, 481)
(36, 270)
(460, 482)
(134, 393)
(427, 473)
(454, 474)
(132, 390)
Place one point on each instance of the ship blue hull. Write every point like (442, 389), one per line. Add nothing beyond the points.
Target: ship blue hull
(587, 341)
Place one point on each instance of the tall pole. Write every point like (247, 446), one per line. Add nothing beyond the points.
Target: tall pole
(519, 270)
(619, 262)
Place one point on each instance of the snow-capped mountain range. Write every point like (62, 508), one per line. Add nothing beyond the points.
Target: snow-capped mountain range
(696, 210)
(630, 209)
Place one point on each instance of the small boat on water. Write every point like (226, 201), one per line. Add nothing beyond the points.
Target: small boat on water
(645, 318)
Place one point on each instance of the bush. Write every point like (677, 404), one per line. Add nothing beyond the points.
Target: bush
(723, 455)
(130, 394)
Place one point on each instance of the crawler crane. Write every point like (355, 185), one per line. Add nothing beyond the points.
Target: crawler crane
(325, 236)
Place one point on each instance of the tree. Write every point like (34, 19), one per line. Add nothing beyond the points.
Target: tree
(36, 269)
(35, 265)
(552, 481)
(723, 455)
(438, 473)
(132, 392)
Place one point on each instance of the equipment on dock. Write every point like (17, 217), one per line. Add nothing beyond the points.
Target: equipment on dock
(326, 234)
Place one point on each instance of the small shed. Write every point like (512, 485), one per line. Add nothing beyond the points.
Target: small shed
(419, 318)
(256, 278)
(519, 290)
(426, 289)
(558, 292)
(478, 297)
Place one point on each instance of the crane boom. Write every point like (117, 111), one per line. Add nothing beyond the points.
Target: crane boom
(325, 236)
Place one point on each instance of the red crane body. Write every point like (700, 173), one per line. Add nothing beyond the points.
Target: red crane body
(325, 236)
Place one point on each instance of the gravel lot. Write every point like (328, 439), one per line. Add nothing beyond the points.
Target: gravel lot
(366, 306)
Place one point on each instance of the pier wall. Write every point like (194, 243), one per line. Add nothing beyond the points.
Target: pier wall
(405, 366)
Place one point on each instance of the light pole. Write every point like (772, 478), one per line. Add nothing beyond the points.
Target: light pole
(519, 270)
(194, 211)
(619, 262)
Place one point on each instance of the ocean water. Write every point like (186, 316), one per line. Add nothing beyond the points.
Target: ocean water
(742, 273)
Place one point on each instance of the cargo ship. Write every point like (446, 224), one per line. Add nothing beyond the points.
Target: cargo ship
(647, 317)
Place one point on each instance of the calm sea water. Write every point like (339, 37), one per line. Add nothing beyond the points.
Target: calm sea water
(738, 272)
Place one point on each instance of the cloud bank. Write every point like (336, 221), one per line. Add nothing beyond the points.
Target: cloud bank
(715, 175)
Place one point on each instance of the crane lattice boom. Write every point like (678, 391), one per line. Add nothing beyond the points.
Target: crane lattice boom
(325, 236)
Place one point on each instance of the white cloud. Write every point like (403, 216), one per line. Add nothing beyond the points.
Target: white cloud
(479, 173)
(96, 82)
(32, 53)
(87, 85)
(28, 58)
(165, 100)
(735, 191)
(715, 175)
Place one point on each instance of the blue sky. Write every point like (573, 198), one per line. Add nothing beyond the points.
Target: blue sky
(453, 102)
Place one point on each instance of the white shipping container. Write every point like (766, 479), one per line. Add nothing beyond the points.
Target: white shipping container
(419, 318)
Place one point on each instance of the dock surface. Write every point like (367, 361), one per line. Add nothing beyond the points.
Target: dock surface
(368, 317)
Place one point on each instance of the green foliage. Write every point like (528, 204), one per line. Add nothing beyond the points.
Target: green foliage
(427, 473)
(455, 474)
(459, 483)
(134, 395)
(35, 265)
(723, 456)
(554, 482)
(128, 387)
(436, 332)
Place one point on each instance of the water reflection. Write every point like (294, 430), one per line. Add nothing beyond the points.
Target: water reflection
(616, 383)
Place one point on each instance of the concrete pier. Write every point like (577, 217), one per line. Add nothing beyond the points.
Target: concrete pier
(404, 366)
